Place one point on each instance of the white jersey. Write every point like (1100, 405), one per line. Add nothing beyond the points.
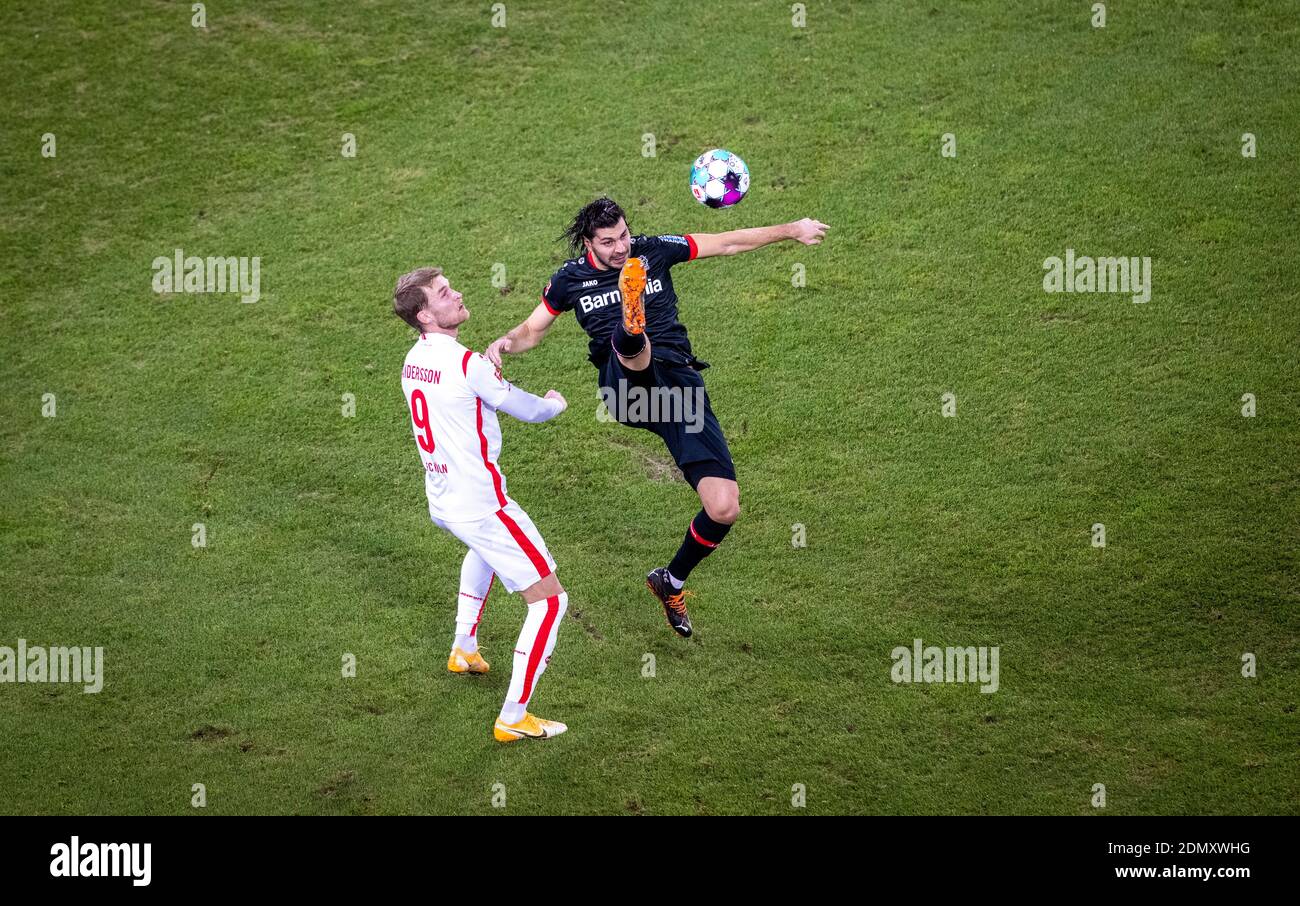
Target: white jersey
(452, 396)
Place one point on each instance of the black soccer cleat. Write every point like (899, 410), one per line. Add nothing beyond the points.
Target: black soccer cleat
(674, 601)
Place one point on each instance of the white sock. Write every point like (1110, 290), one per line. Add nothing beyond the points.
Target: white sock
(512, 714)
(676, 582)
(533, 653)
(475, 584)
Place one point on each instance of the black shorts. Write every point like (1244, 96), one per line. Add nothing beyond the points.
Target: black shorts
(669, 399)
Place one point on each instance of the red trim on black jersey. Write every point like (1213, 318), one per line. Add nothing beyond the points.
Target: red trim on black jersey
(548, 307)
(690, 240)
(591, 260)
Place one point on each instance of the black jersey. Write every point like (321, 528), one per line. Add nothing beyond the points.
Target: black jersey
(593, 296)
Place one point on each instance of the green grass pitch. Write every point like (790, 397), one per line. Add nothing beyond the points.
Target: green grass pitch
(1120, 665)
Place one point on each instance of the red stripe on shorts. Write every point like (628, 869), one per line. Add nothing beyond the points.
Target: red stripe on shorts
(530, 550)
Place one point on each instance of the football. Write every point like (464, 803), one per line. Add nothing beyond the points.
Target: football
(719, 179)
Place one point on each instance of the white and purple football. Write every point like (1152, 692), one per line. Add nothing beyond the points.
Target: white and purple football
(719, 179)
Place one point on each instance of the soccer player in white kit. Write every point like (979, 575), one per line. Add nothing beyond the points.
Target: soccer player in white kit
(453, 395)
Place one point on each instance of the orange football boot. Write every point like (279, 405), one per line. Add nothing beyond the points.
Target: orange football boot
(631, 284)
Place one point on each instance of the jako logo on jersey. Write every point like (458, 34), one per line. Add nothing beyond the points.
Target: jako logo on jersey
(103, 860)
(614, 297)
(586, 283)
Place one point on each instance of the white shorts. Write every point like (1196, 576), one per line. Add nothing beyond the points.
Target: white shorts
(509, 543)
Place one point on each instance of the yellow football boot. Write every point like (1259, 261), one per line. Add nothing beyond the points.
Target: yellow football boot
(531, 727)
(460, 662)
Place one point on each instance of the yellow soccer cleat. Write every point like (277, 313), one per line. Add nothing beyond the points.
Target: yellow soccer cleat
(631, 284)
(460, 662)
(531, 727)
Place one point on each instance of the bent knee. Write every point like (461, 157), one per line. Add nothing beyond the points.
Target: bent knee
(725, 511)
(562, 600)
(543, 589)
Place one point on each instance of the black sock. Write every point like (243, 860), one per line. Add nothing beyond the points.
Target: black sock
(702, 536)
(628, 345)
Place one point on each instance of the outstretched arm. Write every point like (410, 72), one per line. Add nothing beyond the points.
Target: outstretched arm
(524, 337)
(528, 408)
(733, 242)
(488, 385)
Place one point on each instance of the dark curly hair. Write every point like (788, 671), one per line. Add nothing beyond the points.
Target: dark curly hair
(603, 212)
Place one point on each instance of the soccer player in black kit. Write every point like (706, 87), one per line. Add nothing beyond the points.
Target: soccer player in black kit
(620, 289)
